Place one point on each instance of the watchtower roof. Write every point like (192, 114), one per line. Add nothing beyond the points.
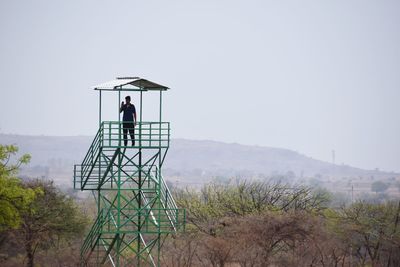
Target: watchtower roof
(130, 84)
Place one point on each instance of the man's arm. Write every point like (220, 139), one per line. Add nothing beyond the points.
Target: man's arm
(122, 107)
(134, 115)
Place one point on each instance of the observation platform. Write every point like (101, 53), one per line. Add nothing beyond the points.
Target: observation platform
(148, 135)
(108, 151)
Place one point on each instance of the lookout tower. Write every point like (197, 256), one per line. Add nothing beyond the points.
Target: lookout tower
(135, 209)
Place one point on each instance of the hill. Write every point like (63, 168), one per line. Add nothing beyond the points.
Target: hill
(190, 161)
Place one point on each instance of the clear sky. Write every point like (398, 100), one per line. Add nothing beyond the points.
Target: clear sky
(310, 76)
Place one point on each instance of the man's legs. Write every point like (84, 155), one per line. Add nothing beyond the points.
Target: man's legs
(125, 131)
(132, 133)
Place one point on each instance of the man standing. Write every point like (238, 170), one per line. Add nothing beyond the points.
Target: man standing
(128, 121)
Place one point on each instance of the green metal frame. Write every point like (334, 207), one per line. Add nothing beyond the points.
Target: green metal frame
(135, 208)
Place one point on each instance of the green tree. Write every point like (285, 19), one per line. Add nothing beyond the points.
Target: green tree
(51, 217)
(379, 186)
(14, 198)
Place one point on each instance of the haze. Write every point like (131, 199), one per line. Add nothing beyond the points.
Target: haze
(311, 76)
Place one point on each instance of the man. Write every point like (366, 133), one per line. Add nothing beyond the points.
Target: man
(128, 121)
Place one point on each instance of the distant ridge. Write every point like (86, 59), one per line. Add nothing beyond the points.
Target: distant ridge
(218, 156)
(188, 160)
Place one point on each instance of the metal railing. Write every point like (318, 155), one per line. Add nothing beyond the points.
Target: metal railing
(92, 237)
(147, 134)
(152, 220)
(91, 156)
(111, 135)
(168, 202)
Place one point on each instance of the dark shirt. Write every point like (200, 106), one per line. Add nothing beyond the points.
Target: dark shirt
(128, 112)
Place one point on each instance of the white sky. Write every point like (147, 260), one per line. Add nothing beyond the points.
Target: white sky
(311, 76)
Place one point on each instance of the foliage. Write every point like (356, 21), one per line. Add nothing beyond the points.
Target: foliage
(6, 168)
(379, 186)
(373, 232)
(14, 198)
(51, 217)
(34, 217)
(216, 201)
(231, 224)
(271, 224)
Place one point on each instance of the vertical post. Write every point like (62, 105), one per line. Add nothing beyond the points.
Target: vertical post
(99, 108)
(139, 237)
(140, 118)
(119, 118)
(98, 191)
(159, 184)
(119, 181)
(150, 133)
(160, 125)
(99, 178)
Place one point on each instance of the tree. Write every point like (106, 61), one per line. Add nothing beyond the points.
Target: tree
(267, 234)
(372, 230)
(51, 217)
(379, 186)
(14, 198)
(248, 223)
(216, 201)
